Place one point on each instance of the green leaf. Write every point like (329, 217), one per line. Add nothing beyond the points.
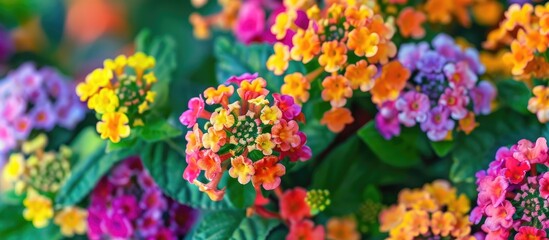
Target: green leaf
(234, 59)
(86, 143)
(158, 130)
(442, 148)
(255, 155)
(234, 225)
(371, 192)
(400, 151)
(166, 164)
(88, 172)
(123, 144)
(162, 49)
(241, 196)
(14, 227)
(514, 94)
(475, 151)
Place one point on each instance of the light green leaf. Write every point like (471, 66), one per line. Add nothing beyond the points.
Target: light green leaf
(234, 225)
(158, 130)
(442, 148)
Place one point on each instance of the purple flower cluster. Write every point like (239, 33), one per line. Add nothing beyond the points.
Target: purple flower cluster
(32, 99)
(127, 204)
(444, 88)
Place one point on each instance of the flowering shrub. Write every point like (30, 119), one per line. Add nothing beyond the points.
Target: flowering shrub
(512, 192)
(120, 97)
(248, 137)
(35, 101)
(38, 174)
(434, 211)
(444, 88)
(128, 204)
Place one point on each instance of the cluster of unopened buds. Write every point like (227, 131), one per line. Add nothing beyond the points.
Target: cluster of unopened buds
(128, 204)
(249, 137)
(525, 29)
(513, 192)
(444, 88)
(38, 175)
(35, 100)
(345, 39)
(120, 93)
(432, 212)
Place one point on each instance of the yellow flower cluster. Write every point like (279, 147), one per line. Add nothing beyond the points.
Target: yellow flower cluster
(434, 210)
(38, 174)
(318, 200)
(120, 93)
(346, 38)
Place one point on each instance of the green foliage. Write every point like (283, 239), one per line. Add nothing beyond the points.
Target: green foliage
(14, 227)
(158, 130)
(234, 225)
(442, 148)
(92, 165)
(475, 151)
(234, 59)
(240, 196)
(401, 151)
(166, 163)
(514, 94)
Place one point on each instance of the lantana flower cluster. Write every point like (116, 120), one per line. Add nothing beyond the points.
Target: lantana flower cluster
(432, 212)
(443, 91)
(38, 175)
(120, 93)
(35, 100)
(525, 30)
(346, 40)
(128, 204)
(248, 136)
(513, 191)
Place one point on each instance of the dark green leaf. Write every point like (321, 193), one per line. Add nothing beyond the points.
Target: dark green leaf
(400, 151)
(255, 155)
(124, 143)
(241, 196)
(166, 164)
(14, 227)
(234, 225)
(514, 94)
(442, 148)
(157, 131)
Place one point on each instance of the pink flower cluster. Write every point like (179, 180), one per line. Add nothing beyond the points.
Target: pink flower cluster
(513, 193)
(35, 99)
(127, 204)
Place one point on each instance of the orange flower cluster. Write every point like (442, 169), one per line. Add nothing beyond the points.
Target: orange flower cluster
(346, 39)
(525, 30)
(225, 19)
(432, 211)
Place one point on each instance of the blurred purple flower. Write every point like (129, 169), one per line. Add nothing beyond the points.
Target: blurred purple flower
(431, 62)
(410, 53)
(456, 101)
(387, 120)
(438, 123)
(117, 226)
(127, 206)
(482, 96)
(413, 107)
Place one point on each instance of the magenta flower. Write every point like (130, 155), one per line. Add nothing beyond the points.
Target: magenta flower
(250, 23)
(145, 180)
(163, 234)
(530, 152)
(544, 186)
(7, 137)
(95, 217)
(499, 216)
(181, 218)
(456, 101)
(149, 223)
(13, 107)
(120, 175)
(460, 75)
(286, 104)
(196, 110)
(515, 170)
(241, 78)
(495, 187)
(192, 171)
(299, 153)
(413, 107)
(387, 120)
(127, 206)
(438, 123)
(117, 226)
(482, 96)
(153, 199)
(22, 127)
